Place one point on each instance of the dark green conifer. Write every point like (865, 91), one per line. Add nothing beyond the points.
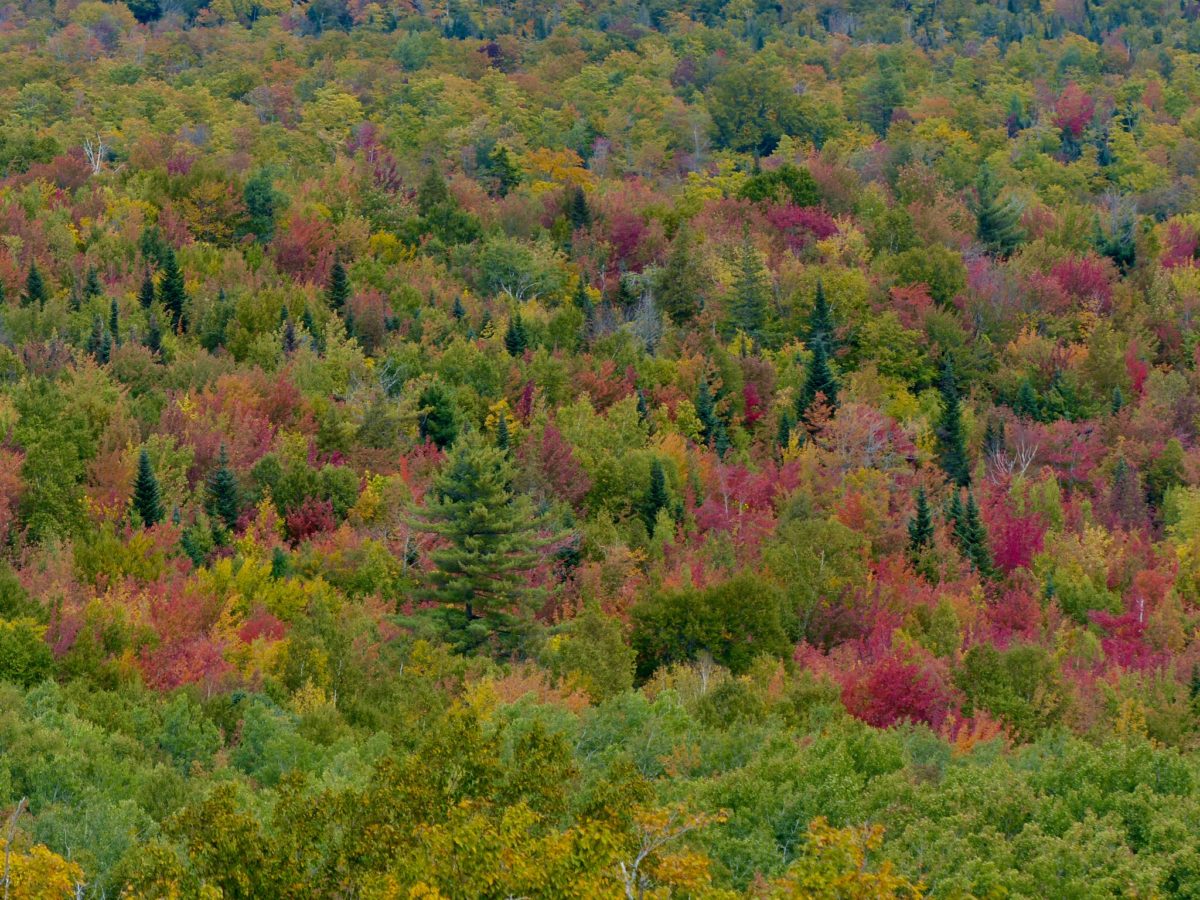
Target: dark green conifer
(172, 292)
(952, 448)
(656, 497)
(516, 340)
(338, 289)
(35, 293)
(146, 498)
(222, 493)
(146, 293)
(920, 526)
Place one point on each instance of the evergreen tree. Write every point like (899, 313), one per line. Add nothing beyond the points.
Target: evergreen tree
(502, 432)
(997, 223)
(146, 293)
(515, 338)
(643, 410)
(91, 284)
(154, 335)
(146, 499)
(437, 421)
(681, 284)
(751, 291)
(819, 379)
(821, 329)
(433, 193)
(289, 337)
(1118, 400)
(35, 288)
(656, 497)
(952, 448)
(172, 291)
(260, 200)
(920, 526)
(221, 493)
(114, 320)
(489, 533)
(1027, 405)
(972, 538)
(786, 424)
(583, 300)
(338, 289)
(993, 437)
(458, 310)
(579, 214)
(706, 411)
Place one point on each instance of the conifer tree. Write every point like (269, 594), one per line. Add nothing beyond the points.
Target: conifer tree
(114, 320)
(289, 337)
(656, 497)
(818, 379)
(680, 285)
(952, 448)
(515, 338)
(95, 341)
(643, 410)
(172, 291)
(920, 526)
(1118, 400)
(997, 223)
(436, 421)
(154, 335)
(458, 310)
(706, 411)
(751, 291)
(579, 214)
(972, 539)
(35, 293)
(490, 534)
(502, 432)
(338, 289)
(821, 329)
(786, 424)
(583, 300)
(146, 498)
(221, 494)
(146, 293)
(91, 284)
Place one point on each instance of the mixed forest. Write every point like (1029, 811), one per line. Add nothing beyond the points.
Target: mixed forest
(558, 449)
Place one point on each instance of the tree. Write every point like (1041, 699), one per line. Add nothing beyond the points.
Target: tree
(751, 291)
(35, 293)
(147, 501)
(753, 106)
(490, 534)
(952, 448)
(819, 379)
(706, 411)
(172, 292)
(154, 335)
(437, 421)
(821, 329)
(920, 526)
(972, 539)
(338, 289)
(880, 96)
(997, 223)
(221, 492)
(260, 199)
(516, 340)
(656, 497)
(91, 285)
(681, 284)
(579, 214)
(146, 293)
(114, 320)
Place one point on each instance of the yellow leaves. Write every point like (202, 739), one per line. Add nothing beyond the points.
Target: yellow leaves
(188, 407)
(552, 168)
(334, 112)
(40, 874)
(835, 866)
(1131, 720)
(498, 410)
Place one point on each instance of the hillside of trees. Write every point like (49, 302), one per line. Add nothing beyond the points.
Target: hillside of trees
(599, 450)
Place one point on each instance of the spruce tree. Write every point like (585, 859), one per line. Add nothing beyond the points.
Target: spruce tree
(920, 526)
(35, 293)
(681, 284)
(819, 379)
(154, 335)
(952, 448)
(221, 495)
(972, 538)
(146, 293)
(579, 214)
(656, 497)
(458, 310)
(260, 200)
(338, 289)
(172, 291)
(490, 534)
(502, 432)
(91, 284)
(706, 411)
(1118, 400)
(821, 329)
(146, 498)
(751, 291)
(786, 424)
(436, 420)
(997, 223)
(1027, 405)
(114, 321)
(583, 300)
(515, 338)
(289, 337)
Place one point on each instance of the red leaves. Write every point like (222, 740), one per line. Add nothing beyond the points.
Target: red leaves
(1088, 279)
(312, 517)
(1073, 110)
(896, 689)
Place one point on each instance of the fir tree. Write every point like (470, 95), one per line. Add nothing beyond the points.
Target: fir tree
(114, 320)
(154, 335)
(751, 291)
(146, 293)
(221, 494)
(643, 410)
(490, 534)
(338, 289)
(436, 420)
(502, 432)
(997, 223)
(260, 200)
(821, 329)
(579, 214)
(35, 288)
(952, 448)
(1118, 400)
(706, 411)
(515, 338)
(681, 284)
(95, 341)
(920, 527)
(972, 538)
(172, 291)
(818, 379)
(458, 310)
(786, 424)
(656, 497)
(583, 300)
(146, 498)
(91, 284)
(289, 337)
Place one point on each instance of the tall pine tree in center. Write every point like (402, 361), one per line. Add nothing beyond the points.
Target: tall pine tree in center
(146, 498)
(952, 447)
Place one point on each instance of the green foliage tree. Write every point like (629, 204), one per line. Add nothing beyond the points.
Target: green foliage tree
(656, 497)
(920, 526)
(172, 291)
(681, 285)
(751, 291)
(516, 339)
(222, 496)
(998, 224)
(437, 420)
(35, 293)
(261, 199)
(337, 291)
(952, 447)
(147, 499)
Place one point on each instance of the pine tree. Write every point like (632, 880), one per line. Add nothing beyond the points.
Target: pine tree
(583, 300)
(751, 291)
(289, 337)
(260, 200)
(91, 284)
(146, 294)
(502, 432)
(706, 411)
(821, 329)
(458, 310)
(819, 379)
(146, 498)
(154, 335)
(114, 321)
(681, 284)
(920, 526)
(656, 497)
(1118, 400)
(515, 338)
(579, 214)
(436, 419)
(489, 533)
(172, 291)
(952, 448)
(997, 223)
(972, 538)
(338, 289)
(35, 288)
(221, 494)
(95, 341)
